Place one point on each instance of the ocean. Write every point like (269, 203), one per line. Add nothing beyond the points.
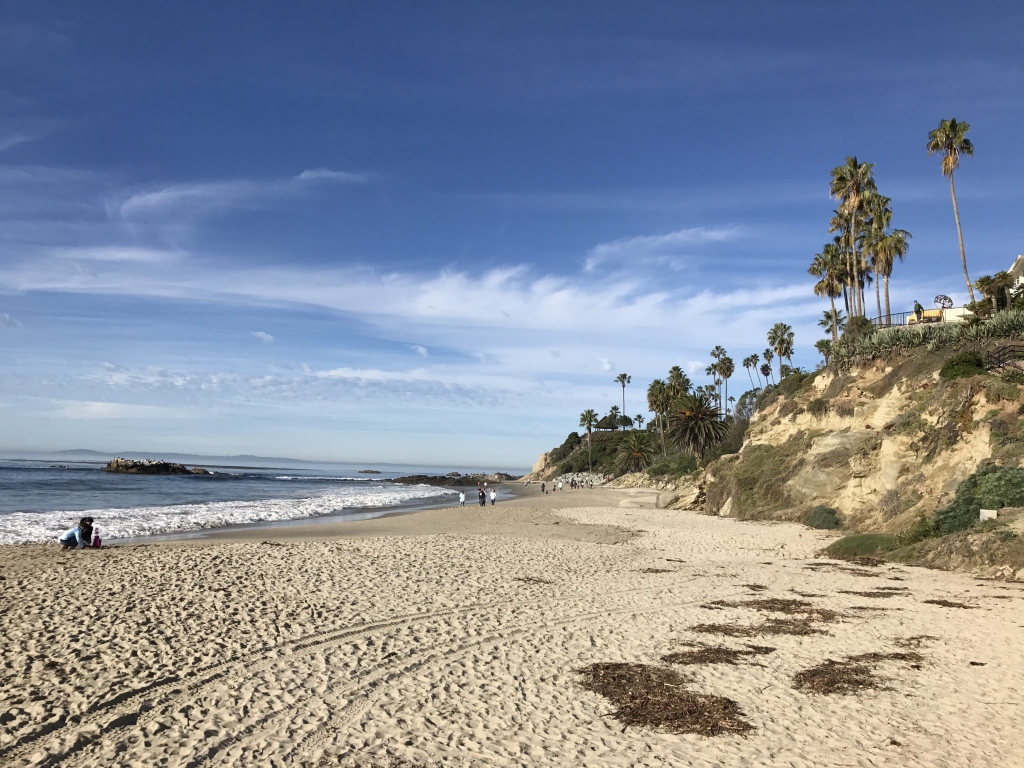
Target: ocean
(40, 498)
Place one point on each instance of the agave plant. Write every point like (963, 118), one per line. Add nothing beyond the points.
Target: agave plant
(635, 453)
(694, 424)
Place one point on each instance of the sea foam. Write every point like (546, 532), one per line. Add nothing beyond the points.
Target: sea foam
(27, 527)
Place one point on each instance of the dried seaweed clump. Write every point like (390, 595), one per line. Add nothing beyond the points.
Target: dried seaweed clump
(802, 618)
(948, 603)
(716, 654)
(656, 570)
(654, 697)
(855, 674)
(875, 594)
(533, 580)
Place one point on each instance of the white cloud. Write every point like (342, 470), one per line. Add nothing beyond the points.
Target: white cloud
(206, 197)
(646, 247)
(115, 253)
(6, 321)
(421, 351)
(90, 409)
(13, 139)
(606, 364)
(266, 338)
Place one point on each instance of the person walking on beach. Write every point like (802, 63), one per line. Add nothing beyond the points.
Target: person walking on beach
(542, 489)
(494, 495)
(462, 498)
(482, 497)
(79, 536)
(559, 486)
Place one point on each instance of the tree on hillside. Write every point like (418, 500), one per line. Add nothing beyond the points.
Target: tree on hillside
(750, 362)
(828, 267)
(824, 346)
(766, 370)
(851, 184)
(623, 379)
(950, 139)
(780, 339)
(639, 420)
(768, 355)
(657, 403)
(712, 371)
(726, 368)
(889, 246)
(678, 382)
(634, 454)
(588, 420)
(833, 322)
(694, 424)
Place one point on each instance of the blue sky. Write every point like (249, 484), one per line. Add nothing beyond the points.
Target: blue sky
(435, 232)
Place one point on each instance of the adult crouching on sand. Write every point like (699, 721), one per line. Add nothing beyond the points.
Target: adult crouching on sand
(79, 536)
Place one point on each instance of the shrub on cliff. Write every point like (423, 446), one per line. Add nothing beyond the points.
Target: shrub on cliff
(823, 518)
(674, 466)
(962, 365)
(989, 488)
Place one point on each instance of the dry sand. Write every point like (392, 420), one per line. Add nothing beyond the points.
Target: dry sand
(452, 637)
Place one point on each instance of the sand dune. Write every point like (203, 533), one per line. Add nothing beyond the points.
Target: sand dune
(417, 644)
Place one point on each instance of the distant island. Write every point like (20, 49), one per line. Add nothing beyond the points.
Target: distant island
(151, 467)
(369, 471)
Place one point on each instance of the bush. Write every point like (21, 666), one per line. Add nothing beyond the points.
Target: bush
(962, 365)
(795, 382)
(844, 408)
(1014, 377)
(674, 466)
(823, 518)
(818, 407)
(997, 390)
(861, 544)
(992, 487)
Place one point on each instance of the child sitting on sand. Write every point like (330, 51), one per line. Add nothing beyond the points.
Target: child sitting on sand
(79, 536)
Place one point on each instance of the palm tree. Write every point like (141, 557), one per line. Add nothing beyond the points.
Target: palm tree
(634, 454)
(750, 362)
(851, 184)
(726, 368)
(827, 266)
(694, 424)
(712, 371)
(780, 338)
(766, 369)
(657, 403)
(639, 420)
(833, 322)
(614, 416)
(623, 379)
(880, 212)
(824, 346)
(950, 138)
(768, 355)
(588, 420)
(678, 382)
(891, 245)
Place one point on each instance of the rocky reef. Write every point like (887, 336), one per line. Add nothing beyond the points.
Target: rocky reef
(454, 479)
(151, 467)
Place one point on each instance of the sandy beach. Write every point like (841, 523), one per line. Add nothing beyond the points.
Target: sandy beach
(457, 637)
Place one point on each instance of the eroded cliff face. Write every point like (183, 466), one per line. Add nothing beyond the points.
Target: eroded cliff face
(881, 445)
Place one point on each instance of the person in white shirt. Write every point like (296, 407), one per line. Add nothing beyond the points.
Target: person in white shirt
(494, 495)
(462, 498)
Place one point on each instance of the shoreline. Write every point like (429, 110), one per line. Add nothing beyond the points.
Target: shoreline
(456, 637)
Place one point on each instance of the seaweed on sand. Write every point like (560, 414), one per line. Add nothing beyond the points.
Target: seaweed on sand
(716, 654)
(855, 674)
(948, 604)
(655, 697)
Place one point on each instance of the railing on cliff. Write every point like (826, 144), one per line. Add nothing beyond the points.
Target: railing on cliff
(1005, 356)
(950, 315)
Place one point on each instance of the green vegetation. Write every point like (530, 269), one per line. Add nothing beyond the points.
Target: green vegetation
(861, 545)
(962, 365)
(817, 407)
(823, 518)
(950, 140)
(634, 454)
(694, 424)
(757, 483)
(989, 488)
(673, 467)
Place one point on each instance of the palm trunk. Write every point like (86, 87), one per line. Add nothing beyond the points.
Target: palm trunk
(590, 455)
(960, 234)
(727, 397)
(846, 301)
(888, 318)
(878, 300)
(835, 323)
(664, 451)
(751, 378)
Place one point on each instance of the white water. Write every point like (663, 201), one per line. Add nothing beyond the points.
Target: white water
(25, 527)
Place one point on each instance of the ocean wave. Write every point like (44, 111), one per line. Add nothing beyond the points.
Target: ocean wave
(27, 527)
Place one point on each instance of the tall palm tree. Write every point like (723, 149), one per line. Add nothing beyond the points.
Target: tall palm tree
(766, 370)
(657, 403)
(614, 416)
(712, 371)
(726, 368)
(880, 213)
(851, 184)
(639, 420)
(950, 139)
(694, 424)
(768, 355)
(678, 382)
(750, 362)
(890, 246)
(588, 420)
(780, 338)
(828, 267)
(623, 379)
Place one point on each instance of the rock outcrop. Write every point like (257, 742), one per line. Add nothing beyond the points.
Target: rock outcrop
(151, 467)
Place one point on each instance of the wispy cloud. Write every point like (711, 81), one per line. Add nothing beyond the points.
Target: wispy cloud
(205, 197)
(421, 351)
(6, 321)
(627, 251)
(266, 338)
(13, 139)
(89, 409)
(116, 253)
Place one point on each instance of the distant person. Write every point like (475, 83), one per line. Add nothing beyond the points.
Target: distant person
(542, 488)
(79, 536)
(559, 486)
(494, 495)
(918, 310)
(482, 497)
(462, 498)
